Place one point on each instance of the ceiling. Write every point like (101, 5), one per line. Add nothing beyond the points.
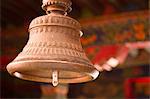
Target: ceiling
(16, 12)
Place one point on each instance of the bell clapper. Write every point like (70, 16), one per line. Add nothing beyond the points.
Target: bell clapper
(55, 78)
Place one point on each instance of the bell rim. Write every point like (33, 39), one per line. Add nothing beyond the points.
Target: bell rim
(90, 73)
(49, 80)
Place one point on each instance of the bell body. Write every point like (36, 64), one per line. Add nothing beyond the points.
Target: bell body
(54, 44)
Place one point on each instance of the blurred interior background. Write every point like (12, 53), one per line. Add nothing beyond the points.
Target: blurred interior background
(112, 28)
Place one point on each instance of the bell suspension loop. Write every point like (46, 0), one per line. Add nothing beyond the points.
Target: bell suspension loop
(61, 7)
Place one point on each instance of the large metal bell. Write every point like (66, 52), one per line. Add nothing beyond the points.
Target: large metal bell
(53, 52)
